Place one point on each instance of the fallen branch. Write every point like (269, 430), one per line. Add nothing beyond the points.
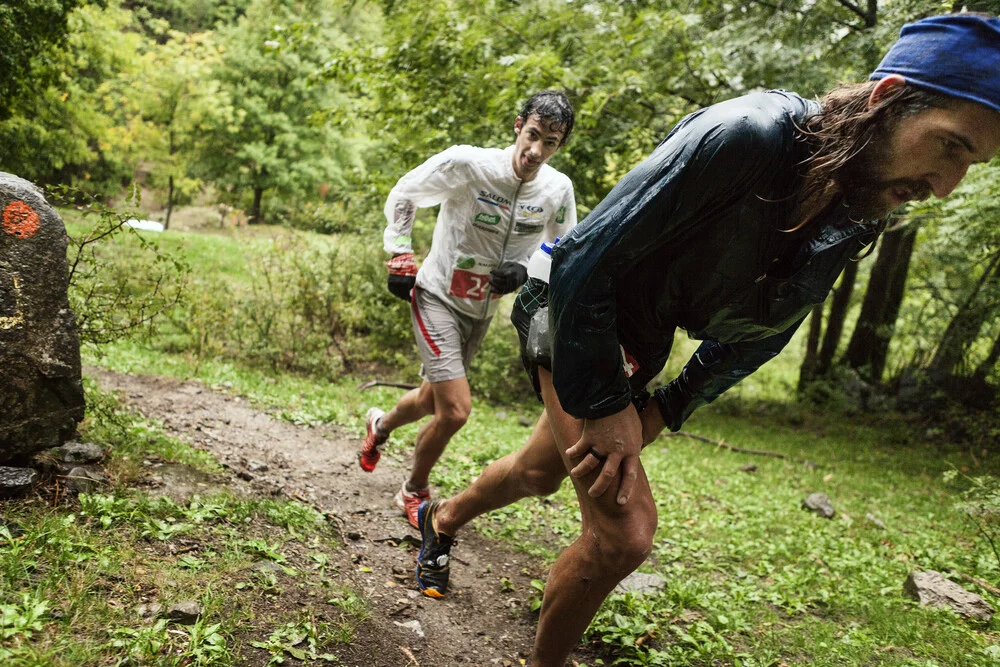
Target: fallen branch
(741, 450)
(409, 654)
(978, 582)
(379, 383)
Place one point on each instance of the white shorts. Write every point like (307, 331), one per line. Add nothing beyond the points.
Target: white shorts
(447, 341)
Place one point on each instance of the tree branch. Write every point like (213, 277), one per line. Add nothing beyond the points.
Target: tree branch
(741, 450)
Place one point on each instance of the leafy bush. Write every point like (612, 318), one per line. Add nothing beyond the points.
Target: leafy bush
(120, 282)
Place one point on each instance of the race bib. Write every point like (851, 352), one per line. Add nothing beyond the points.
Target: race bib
(470, 285)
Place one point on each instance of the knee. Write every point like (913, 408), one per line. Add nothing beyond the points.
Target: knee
(454, 416)
(627, 544)
(537, 482)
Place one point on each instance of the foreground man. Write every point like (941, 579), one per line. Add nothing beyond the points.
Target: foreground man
(496, 207)
(733, 229)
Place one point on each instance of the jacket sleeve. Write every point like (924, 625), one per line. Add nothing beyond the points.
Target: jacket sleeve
(432, 183)
(710, 159)
(712, 369)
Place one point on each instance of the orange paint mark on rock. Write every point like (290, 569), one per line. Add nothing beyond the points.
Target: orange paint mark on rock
(20, 220)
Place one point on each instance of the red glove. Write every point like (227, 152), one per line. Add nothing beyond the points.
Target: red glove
(402, 275)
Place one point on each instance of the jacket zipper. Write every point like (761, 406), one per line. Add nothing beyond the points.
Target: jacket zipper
(503, 250)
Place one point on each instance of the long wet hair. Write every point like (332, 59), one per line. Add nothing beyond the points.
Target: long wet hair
(846, 127)
(553, 107)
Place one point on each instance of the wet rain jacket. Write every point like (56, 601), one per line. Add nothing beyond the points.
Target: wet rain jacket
(691, 238)
(488, 216)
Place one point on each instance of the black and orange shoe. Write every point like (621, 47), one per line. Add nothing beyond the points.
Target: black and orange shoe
(432, 561)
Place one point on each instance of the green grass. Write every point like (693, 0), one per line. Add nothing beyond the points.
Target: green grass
(752, 579)
(74, 573)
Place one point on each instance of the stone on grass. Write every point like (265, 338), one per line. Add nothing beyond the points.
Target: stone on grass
(641, 582)
(41, 391)
(819, 503)
(185, 613)
(84, 479)
(14, 481)
(931, 588)
(875, 520)
(148, 609)
(78, 452)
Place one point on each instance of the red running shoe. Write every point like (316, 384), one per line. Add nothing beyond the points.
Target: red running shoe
(371, 450)
(410, 503)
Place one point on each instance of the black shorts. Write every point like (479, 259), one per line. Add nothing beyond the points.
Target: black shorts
(534, 296)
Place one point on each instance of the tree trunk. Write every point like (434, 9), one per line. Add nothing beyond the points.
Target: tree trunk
(838, 315)
(807, 371)
(172, 149)
(989, 363)
(869, 345)
(964, 327)
(256, 216)
(170, 201)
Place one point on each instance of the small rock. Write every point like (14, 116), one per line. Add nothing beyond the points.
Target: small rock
(501, 414)
(413, 626)
(78, 452)
(353, 535)
(875, 520)
(16, 480)
(266, 566)
(14, 529)
(147, 610)
(819, 503)
(641, 582)
(82, 479)
(750, 467)
(257, 466)
(244, 475)
(931, 588)
(525, 421)
(185, 613)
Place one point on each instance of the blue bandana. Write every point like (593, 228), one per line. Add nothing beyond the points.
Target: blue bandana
(956, 54)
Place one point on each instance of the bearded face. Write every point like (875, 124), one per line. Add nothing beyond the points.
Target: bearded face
(863, 181)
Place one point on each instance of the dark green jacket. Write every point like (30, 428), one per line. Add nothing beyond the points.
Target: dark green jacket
(692, 238)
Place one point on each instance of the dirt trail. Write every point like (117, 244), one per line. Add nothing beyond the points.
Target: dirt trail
(476, 624)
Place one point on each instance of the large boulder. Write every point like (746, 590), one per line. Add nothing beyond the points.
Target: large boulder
(41, 393)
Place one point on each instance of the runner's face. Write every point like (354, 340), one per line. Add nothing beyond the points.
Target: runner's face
(536, 142)
(927, 153)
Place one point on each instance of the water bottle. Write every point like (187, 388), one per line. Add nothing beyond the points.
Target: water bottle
(540, 262)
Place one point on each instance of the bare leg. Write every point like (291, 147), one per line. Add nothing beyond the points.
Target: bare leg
(413, 406)
(614, 541)
(534, 470)
(450, 403)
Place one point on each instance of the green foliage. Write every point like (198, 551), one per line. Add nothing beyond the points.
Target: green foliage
(981, 505)
(268, 130)
(32, 30)
(65, 132)
(19, 621)
(117, 287)
(299, 639)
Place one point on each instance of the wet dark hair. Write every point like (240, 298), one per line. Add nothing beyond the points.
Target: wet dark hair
(554, 108)
(847, 126)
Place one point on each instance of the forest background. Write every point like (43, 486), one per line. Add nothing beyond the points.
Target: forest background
(304, 113)
(265, 135)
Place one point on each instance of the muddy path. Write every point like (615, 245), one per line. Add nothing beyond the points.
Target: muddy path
(476, 624)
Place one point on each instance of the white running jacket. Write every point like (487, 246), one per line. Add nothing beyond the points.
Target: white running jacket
(488, 216)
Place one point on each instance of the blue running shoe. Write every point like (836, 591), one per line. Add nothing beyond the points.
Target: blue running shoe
(432, 561)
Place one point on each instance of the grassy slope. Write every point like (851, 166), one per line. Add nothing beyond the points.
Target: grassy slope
(752, 578)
